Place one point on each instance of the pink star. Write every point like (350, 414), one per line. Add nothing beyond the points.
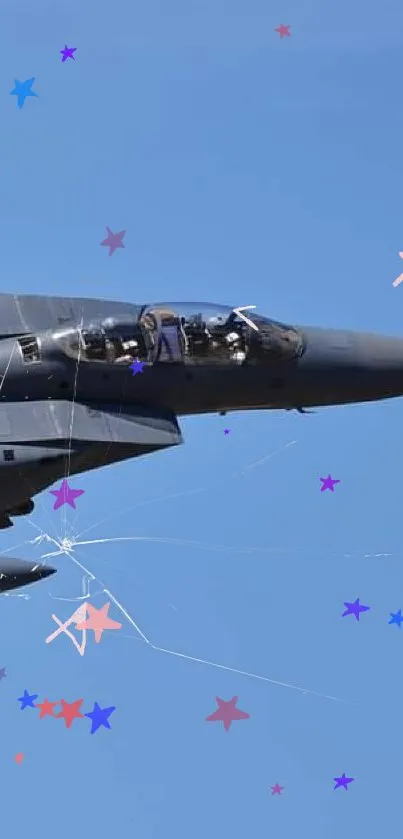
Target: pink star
(226, 712)
(276, 790)
(113, 240)
(98, 620)
(283, 30)
(65, 495)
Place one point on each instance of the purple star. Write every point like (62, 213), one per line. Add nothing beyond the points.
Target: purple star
(328, 483)
(65, 495)
(342, 782)
(113, 240)
(137, 366)
(68, 52)
(227, 430)
(355, 609)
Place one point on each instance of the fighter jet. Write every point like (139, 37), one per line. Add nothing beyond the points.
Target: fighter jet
(18, 572)
(86, 382)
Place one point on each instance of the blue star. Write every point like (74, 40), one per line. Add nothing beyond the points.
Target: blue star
(137, 366)
(99, 716)
(22, 90)
(397, 618)
(27, 701)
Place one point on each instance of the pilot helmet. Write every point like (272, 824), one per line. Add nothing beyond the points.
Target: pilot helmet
(217, 320)
(232, 337)
(109, 323)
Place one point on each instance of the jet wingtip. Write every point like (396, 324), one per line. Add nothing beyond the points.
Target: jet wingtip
(15, 573)
(43, 571)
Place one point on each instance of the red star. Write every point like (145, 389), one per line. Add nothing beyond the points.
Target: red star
(283, 30)
(226, 712)
(46, 708)
(70, 711)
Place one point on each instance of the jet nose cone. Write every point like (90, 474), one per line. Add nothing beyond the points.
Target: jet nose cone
(18, 572)
(342, 366)
(381, 352)
(380, 365)
(43, 571)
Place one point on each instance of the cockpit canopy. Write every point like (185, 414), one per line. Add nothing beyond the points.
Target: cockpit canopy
(184, 333)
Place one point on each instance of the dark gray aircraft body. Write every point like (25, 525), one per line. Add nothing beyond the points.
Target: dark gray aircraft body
(18, 572)
(70, 402)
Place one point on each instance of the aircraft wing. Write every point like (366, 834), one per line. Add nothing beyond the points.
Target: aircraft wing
(43, 441)
(59, 420)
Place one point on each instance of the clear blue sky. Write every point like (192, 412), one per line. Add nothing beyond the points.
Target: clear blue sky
(246, 170)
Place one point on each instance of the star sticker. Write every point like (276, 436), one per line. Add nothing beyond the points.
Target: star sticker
(65, 495)
(27, 701)
(77, 616)
(113, 240)
(70, 711)
(328, 483)
(99, 716)
(46, 708)
(137, 366)
(283, 30)
(400, 278)
(19, 757)
(68, 52)
(276, 790)
(3, 673)
(227, 712)
(227, 430)
(396, 618)
(342, 782)
(22, 90)
(98, 620)
(355, 609)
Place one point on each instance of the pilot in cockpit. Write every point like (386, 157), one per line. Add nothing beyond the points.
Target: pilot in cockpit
(101, 347)
(236, 347)
(227, 339)
(165, 329)
(123, 342)
(94, 344)
(126, 352)
(198, 337)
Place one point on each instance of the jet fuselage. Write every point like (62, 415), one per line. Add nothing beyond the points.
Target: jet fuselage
(86, 383)
(323, 367)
